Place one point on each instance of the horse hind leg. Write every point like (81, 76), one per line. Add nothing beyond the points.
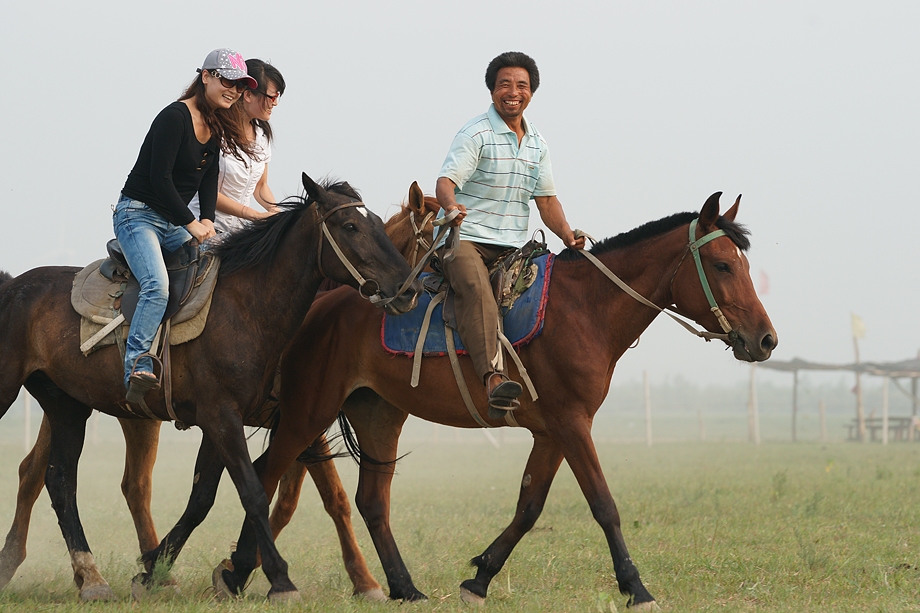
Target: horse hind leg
(31, 481)
(67, 419)
(542, 465)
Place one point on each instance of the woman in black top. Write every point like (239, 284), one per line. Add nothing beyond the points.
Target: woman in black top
(179, 157)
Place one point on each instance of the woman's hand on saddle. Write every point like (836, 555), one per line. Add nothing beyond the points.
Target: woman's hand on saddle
(202, 230)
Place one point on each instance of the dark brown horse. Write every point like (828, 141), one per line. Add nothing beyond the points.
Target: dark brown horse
(219, 379)
(410, 230)
(336, 362)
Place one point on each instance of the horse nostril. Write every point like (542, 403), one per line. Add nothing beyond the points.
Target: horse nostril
(768, 343)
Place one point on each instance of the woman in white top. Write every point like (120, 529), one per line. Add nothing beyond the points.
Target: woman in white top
(242, 180)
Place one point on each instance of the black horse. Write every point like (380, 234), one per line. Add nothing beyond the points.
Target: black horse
(269, 276)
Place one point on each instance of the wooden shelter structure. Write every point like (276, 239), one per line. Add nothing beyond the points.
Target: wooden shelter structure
(892, 371)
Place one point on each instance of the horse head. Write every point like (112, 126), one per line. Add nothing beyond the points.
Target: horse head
(411, 229)
(714, 279)
(357, 250)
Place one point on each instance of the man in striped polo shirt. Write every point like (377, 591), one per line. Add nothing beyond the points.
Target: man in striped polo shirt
(496, 165)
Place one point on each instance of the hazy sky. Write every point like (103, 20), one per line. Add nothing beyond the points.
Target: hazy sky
(808, 108)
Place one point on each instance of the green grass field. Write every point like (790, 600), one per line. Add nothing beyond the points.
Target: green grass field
(711, 526)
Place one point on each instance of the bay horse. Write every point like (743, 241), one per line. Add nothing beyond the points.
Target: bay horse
(220, 378)
(336, 363)
(410, 230)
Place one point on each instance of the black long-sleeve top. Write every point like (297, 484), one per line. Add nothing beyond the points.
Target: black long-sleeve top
(173, 165)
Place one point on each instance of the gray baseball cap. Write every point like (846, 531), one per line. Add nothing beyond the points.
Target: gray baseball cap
(230, 64)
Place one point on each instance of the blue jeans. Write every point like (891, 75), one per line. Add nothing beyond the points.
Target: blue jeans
(144, 236)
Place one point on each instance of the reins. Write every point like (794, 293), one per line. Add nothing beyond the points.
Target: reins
(376, 298)
(693, 247)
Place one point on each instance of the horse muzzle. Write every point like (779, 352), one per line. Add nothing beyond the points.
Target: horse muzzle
(401, 303)
(753, 347)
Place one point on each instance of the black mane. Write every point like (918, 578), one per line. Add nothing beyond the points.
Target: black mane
(258, 241)
(735, 231)
(5, 276)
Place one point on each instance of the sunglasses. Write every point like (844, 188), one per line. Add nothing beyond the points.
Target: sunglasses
(240, 85)
(272, 98)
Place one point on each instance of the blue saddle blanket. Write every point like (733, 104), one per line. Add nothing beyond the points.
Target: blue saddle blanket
(522, 323)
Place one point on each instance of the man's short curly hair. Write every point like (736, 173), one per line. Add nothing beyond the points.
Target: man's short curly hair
(513, 59)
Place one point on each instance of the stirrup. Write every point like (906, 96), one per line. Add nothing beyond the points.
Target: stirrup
(139, 385)
(504, 397)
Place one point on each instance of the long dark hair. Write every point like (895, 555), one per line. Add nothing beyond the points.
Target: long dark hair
(225, 123)
(264, 73)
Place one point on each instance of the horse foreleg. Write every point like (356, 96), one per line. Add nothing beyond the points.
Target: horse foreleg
(141, 439)
(67, 419)
(335, 501)
(230, 444)
(208, 470)
(31, 481)
(377, 425)
(581, 456)
(542, 465)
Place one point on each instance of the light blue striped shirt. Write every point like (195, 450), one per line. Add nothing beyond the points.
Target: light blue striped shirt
(496, 179)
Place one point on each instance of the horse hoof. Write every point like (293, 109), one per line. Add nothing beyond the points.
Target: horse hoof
(221, 591)
(470, 598)
(374, 595)
(645, 606)
(284, 597)
(94, 593)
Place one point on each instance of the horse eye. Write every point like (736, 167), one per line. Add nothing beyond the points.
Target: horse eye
(722, 267)
(351, 227)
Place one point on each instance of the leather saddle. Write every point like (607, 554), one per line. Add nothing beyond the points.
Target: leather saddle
(184, 265)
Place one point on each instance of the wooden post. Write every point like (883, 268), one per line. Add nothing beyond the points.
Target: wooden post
(753, 412)
(860, 409)
(27, 419)
(823, 421)
(885, 411)
(648, 409)
(795, 401)
(913, 404)
(913, 395)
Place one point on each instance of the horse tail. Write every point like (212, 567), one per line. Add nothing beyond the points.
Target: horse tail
(352, 448)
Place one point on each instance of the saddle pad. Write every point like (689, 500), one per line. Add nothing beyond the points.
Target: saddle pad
(522, 324)
(92, 296)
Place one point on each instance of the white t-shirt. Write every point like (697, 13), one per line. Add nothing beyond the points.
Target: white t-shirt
(238, 182)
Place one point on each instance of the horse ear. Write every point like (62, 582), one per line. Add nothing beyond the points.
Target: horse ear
(313, 190)
(732, 212)
(416, 198)
(710, 212)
